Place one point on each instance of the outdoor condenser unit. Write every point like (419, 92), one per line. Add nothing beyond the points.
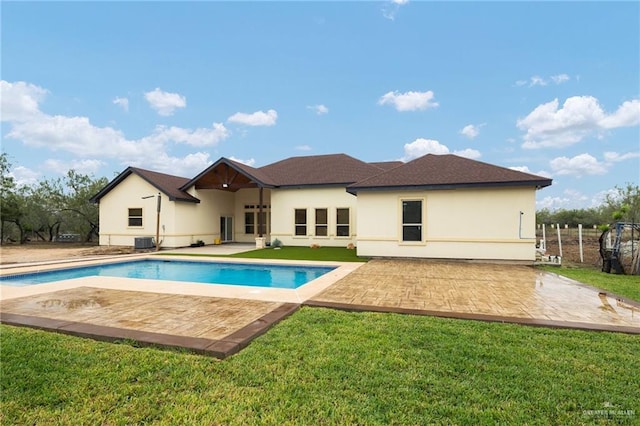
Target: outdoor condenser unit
(143, 243)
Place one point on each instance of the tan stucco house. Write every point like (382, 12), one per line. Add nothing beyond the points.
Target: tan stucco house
(436, 206)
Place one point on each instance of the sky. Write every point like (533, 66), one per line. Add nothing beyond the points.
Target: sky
(549, 88)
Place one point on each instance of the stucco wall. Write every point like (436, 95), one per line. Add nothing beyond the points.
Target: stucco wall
(460, 224)
(114, 213)
(285, 201)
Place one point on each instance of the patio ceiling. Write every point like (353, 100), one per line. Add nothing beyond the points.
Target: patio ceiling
(224, 177)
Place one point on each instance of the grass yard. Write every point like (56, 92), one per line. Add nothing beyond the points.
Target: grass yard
(623, 285)
(335, 254)
(322, 366)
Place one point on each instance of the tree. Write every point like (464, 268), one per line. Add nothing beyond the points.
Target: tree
(80, 188)
(46, 205)
(12, 198)
(623, 205)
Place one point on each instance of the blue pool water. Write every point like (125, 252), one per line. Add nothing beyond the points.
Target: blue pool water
(256, 275)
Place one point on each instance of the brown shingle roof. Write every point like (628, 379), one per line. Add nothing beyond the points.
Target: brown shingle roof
(387, 165)
(332, 169)
(166, 184)
(443, 171)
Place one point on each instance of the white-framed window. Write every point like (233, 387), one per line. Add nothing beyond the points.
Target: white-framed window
(322, 223)
(411, 220)
(135, 217)
(300, 218)
(342, 222)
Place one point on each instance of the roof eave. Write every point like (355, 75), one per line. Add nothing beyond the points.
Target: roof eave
(315, 185)
(537, 184)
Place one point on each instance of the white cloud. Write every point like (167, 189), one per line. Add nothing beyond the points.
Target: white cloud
(526, 169)
(560, 78)
(177, 166)
(319, 109)
(198, 137)
(570, 199)
(614, 157)
(422, 146)
(303, 148)
(250, 162)
(258, 118)
(73, 134)
(122, 102)
(550, 126)
(24, 176)
(165, 103)
(86, 142)
(471, 131)
(20, 101)
(86, 166)
(627, 115)
(409, 101)
(536, 80)
(473, 154)
(580, 165)
(391, 9)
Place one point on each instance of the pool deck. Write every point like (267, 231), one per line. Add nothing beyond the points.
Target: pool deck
(220, 320)
(217, 320)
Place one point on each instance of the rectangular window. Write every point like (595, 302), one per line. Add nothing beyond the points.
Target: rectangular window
(301, 222)
(412, 220)
(249, 224)
(322, 224)
(342, 222)
(135, 217)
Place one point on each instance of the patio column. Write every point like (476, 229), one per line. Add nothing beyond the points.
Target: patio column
(260, 240)
(260, 224)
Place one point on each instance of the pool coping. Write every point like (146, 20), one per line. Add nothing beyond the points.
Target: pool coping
(217, 348)
(298, 295)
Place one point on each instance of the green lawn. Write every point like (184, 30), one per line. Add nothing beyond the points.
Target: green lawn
(330, 367)
(336, 254)
(623, 285)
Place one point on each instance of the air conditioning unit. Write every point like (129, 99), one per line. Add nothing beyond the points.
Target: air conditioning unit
(144, 243)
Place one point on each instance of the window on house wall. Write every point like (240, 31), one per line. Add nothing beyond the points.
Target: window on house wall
(135, 217)
(322, 224)
(342, 222)
(251, 219)
(411, 220)
(249, 223)
(301, 222)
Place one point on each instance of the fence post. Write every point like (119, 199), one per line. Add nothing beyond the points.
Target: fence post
(580, 242)
(559, 239)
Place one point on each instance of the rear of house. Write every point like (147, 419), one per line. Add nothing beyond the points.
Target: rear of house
(437, 206)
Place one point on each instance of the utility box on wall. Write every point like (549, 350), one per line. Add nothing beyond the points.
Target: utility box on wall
(143, 243)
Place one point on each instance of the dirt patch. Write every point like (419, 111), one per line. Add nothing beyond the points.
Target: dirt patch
(27, 253)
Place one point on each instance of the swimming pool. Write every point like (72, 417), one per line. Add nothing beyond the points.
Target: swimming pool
(255, 275)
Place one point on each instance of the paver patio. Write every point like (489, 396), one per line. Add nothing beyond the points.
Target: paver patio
(217, 326)
(493, 292)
